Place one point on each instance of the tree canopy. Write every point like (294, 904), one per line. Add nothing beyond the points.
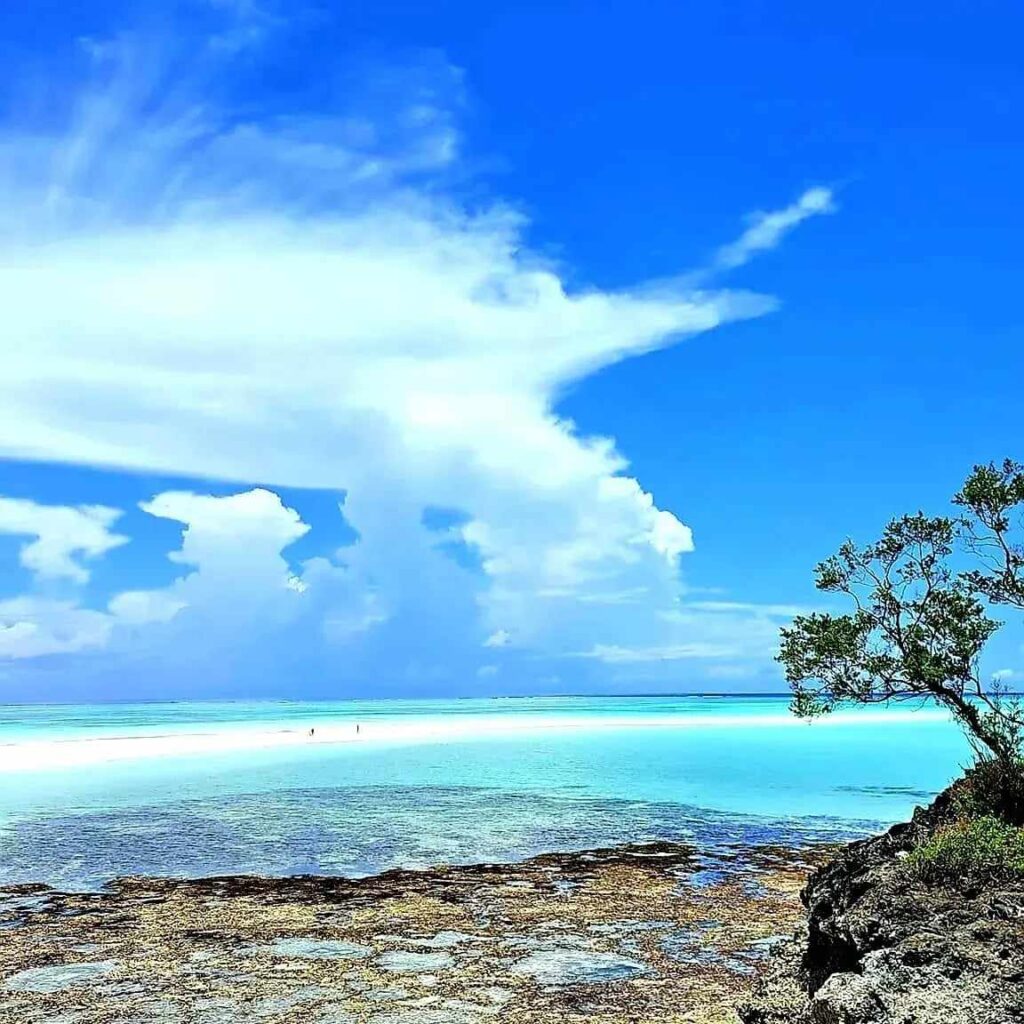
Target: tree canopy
(923, 598)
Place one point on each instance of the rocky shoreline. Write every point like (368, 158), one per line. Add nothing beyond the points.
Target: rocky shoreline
(657, 933)
(881, 945)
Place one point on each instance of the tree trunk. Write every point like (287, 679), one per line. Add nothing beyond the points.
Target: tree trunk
(975, 722)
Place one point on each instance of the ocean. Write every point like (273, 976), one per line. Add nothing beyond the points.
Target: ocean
(91, 792)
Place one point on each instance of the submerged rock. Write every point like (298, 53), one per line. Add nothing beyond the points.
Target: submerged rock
(442, 940)
(316, 949)
(691, 946)
(443, 1015)
(15, 908)
(577, 967)
(58, 978)
(391, 994)
(630, 927)
(333, 1015)
(401, 961)
(273, 1005)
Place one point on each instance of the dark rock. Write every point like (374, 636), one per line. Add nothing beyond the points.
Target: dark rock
(883, 947)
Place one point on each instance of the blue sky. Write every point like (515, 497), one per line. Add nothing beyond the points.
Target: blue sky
(372, 349)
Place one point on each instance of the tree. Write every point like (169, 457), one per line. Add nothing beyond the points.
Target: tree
(921, 599)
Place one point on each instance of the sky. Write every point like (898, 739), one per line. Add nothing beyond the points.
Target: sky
(405, 350)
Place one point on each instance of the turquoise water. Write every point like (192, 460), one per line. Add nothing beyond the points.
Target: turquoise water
(70, 721)
(734, 770)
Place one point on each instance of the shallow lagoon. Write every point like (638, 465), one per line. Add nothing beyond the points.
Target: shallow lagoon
(715, 770)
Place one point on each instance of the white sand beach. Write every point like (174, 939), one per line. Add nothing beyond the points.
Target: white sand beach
(33, 755)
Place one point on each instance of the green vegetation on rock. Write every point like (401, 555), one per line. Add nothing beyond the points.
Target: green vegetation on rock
(992, 788)
(972, 848)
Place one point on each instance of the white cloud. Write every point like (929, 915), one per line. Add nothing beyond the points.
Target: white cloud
(343, 624)
(235, 618)
(743, 633)
(64, 535)
(499, 638)
(785, 611)
(255, 522)
(727, 671)
(141, 607)
(296, 300)
(768, 229)
(232, 547)
(235, 577)
(616, 655)
(32, 627)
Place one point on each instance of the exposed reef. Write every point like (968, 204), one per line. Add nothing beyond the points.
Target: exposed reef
(651, 933)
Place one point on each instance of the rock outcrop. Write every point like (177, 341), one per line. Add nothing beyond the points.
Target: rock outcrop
(881, 946)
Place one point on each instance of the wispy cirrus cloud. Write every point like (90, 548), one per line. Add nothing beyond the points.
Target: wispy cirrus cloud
(616, 655)
(768, 229)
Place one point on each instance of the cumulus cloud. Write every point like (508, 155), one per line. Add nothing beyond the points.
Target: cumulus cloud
(31, 627)
(231, 606)
(141, 607)
(298, 299)
(256, 521)
(236, 581)
(62, 536)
